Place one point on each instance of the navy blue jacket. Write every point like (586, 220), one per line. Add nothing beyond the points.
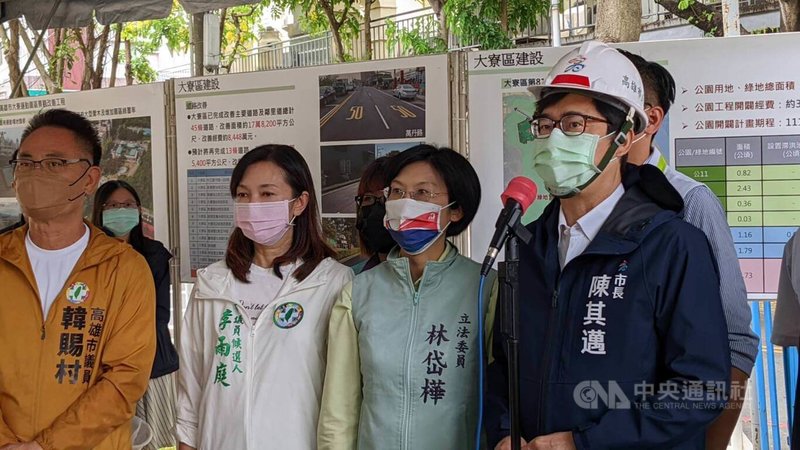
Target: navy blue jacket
(664, 328)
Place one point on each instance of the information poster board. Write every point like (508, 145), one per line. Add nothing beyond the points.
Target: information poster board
(131, 124)
(735, 125)
(339, 117)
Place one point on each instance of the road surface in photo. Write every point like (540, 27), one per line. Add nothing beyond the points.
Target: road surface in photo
(370, 113)
(340, 200)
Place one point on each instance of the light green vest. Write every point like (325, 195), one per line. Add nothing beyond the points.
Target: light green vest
(419, 353)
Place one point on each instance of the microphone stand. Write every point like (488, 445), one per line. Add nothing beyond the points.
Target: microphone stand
(508, 276)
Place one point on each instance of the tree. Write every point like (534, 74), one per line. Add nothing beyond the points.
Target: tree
(438, 10)
(94, 49)
(238, 30)
(619, 20)
(115, 55)
(491, 23)
(11, 53)
(790, 15)
(703, 16)
(145, 38)
(368, 28)
(341, 17)
(422, 38)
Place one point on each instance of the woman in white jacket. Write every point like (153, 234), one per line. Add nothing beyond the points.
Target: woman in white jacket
(253, 342)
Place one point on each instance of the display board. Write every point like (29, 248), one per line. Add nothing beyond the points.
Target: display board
(339, 117)
(131, 124)
(735, 125)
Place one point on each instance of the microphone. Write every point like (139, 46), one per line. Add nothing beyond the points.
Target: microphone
(518, 196)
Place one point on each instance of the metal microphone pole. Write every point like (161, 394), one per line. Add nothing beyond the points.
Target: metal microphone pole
(508, 275)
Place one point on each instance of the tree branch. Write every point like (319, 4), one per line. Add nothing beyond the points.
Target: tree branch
(50, 86)
(115, 55)
(345, 12)
(698, 14)
(97, 78)
(79, 37)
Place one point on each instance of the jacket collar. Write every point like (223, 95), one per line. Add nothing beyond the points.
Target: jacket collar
(216, 281)
(648, 202)
(433, 269)
(100, 248)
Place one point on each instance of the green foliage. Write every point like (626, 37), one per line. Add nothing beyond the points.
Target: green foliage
(767, 30)
(66, 50)
(142, 71)
(147, 37)
(240, 30)
(479, 21)
(422, 38)
(315, 18)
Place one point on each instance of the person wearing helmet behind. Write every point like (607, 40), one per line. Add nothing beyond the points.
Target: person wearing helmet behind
(624, 342)
(703, 210)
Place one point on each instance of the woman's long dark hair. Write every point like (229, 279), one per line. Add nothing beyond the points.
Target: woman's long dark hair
(307, 240)
(136, 237)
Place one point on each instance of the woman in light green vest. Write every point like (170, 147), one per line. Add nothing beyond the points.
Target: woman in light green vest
(402, 369)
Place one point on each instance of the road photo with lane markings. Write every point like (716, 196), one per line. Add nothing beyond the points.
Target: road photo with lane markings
(372, 105)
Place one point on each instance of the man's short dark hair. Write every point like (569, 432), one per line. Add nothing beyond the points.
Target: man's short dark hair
(659, 86)
(83, 130)
(463, 185)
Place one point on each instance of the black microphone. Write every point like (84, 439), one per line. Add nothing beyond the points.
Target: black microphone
(518, 196)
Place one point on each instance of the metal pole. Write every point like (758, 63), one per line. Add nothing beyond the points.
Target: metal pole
(730, 17)
(457, 69)
(509, 281)
(555, 23)
(173, 209)
(36, 47)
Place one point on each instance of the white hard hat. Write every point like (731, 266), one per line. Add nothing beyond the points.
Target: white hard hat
(601, 72)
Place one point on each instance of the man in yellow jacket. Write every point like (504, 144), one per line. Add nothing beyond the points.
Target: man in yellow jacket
(77, 310)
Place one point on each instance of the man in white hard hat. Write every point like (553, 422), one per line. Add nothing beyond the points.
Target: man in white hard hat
(623, 341)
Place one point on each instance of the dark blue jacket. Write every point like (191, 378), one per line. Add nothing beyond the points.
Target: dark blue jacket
(667, 331)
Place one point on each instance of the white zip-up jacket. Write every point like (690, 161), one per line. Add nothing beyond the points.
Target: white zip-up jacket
(248, 387)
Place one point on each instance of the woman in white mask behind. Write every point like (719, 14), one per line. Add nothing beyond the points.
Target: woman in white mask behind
(403, 347)
(253, 342)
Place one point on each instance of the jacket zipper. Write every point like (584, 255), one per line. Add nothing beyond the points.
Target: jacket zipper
(43, 336)
(39, 375)
(407, 394)
(547, 355)
(250, 368)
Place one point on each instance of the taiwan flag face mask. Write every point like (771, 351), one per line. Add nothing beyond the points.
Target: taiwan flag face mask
(413, 224)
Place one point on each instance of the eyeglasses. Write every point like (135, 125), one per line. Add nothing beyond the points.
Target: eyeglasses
(369, 199)
(52, 165)
(115, 205)
(571, 125)
(419, 194)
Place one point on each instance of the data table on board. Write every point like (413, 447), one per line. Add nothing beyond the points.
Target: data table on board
(757, 180)
(210, 215)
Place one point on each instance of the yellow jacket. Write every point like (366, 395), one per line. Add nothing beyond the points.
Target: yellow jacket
(72, 381)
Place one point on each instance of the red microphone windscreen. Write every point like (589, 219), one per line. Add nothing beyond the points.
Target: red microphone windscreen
(522, 190)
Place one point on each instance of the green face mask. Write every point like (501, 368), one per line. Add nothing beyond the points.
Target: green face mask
(566, 163)
(120, 220)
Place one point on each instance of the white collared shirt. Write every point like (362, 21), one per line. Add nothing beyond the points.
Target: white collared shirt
(572, 241)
